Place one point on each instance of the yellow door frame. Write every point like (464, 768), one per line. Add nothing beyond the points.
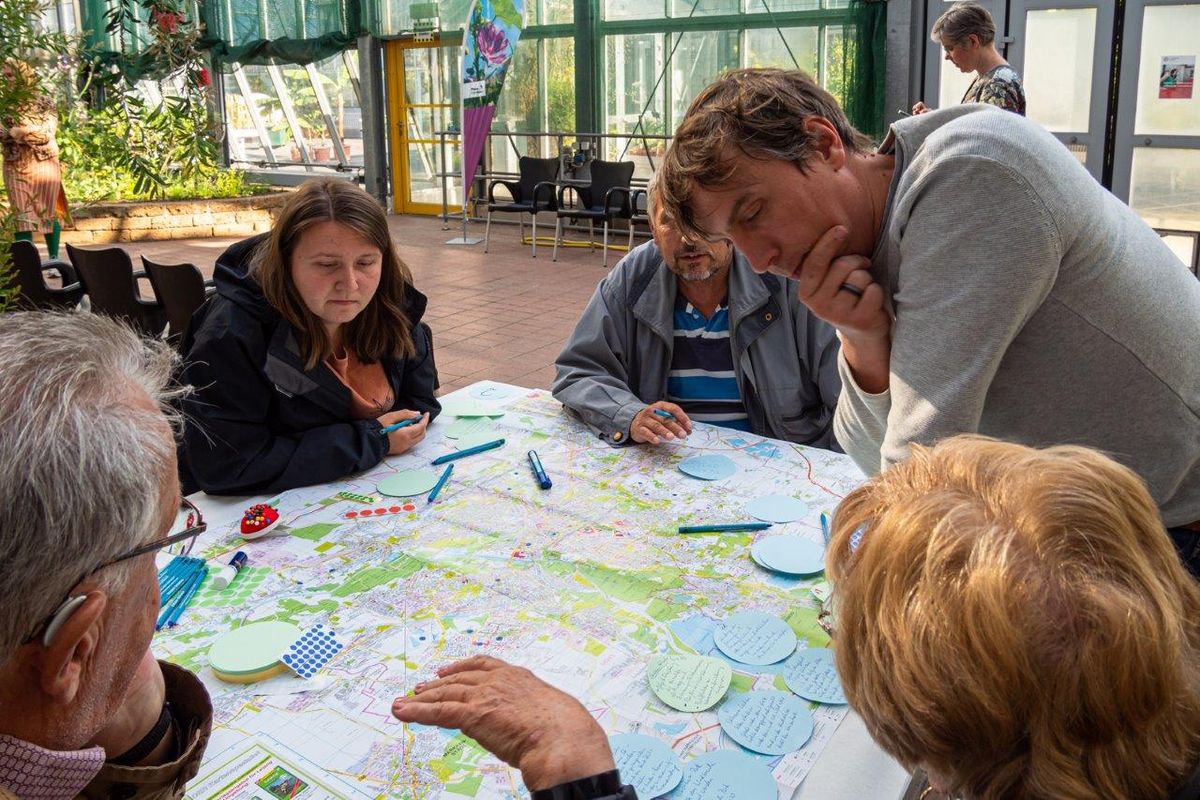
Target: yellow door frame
(398, 140)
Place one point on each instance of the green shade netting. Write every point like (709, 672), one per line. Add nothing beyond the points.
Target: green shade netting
(866, 26)
(260, 31)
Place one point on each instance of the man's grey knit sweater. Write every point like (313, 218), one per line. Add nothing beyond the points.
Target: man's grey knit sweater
(1030, 305)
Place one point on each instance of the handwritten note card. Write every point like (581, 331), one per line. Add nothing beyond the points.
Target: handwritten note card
(754, 637)
(768, 722)
(810, 673)
(646, 763)
(689, 683)
(726, 775)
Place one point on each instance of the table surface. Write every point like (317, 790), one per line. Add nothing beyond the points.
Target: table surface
(583, 583)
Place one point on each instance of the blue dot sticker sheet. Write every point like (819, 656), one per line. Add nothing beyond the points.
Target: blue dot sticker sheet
(313, 650)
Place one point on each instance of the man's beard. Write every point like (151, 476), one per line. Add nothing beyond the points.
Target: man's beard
(690, 274)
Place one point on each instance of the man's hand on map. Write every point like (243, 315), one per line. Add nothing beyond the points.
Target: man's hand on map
(404, 439)
(648, 427)
(524, 721)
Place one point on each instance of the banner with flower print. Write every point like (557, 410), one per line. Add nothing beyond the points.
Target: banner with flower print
(489, 43)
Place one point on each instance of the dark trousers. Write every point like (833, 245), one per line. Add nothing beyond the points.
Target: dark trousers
(1187, 542)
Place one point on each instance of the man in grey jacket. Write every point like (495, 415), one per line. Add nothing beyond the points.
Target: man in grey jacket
(1026, 302)
(686, 329)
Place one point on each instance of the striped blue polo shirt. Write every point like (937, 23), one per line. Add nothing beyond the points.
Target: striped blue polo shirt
(702, 381)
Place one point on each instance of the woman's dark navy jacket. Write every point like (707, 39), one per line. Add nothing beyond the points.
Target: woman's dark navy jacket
(257, 421)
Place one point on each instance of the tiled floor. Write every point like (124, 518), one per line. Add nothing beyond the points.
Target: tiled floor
(500, 315)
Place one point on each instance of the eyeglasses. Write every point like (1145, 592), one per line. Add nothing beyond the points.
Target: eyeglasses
(180, 543)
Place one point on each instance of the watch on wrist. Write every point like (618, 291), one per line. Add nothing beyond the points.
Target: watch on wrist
(605, 786)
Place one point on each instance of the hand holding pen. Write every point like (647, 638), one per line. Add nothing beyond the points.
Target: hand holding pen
(659, 422)
(403, 429)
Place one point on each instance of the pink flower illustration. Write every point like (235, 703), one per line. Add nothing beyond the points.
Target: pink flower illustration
(492, 43)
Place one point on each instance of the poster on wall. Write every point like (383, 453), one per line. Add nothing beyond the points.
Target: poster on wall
(1177, 78)
(489, 44)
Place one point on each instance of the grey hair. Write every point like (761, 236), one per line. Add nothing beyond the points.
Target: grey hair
(82, 467)
(653, 196)
(962, 20)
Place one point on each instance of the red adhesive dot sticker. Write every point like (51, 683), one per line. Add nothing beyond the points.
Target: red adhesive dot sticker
(381, 511)
(394, 509)
(409, 507)
(351, 514)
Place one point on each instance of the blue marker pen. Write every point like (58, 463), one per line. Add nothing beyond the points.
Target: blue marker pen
(404, 423)
(661, 414)
(825, 527)
(538, 471)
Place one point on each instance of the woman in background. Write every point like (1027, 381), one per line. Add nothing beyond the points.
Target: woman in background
(32, 172)
(968, 35)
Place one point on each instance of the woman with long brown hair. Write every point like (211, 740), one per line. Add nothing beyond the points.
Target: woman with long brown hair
(311, 346)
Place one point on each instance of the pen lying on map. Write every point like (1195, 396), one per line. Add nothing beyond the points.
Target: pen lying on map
(470, 451)
(727, 527)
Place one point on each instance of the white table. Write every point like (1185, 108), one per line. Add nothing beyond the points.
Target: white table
(850, 767)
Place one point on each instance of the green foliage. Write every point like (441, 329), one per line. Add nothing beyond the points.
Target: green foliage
(8, 282)
(114, 186)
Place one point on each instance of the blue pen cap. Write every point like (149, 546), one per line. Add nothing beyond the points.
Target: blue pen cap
(239, 559)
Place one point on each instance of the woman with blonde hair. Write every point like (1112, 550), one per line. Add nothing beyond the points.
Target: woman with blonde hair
(1017, 623)
(967, 34)
(311, 346)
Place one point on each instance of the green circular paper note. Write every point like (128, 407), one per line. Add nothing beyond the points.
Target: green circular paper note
(689, 683)
(475, 439)
(469, 408)
(408, 483)
(471, 427)
(252, 648)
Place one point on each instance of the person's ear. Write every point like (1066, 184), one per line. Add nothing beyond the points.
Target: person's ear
(827, 144)
(71, 646)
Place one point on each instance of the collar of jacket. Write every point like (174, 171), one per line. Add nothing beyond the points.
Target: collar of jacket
(752, 300)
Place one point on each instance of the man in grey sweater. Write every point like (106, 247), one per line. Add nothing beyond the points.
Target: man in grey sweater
(683, 330)
(980, 279)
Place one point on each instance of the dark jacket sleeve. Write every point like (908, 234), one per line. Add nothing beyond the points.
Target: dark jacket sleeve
(419, 380)
(229, 445)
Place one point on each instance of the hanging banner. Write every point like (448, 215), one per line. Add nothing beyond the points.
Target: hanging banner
(489, 43)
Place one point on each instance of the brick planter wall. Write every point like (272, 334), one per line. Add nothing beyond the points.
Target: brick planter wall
(155, 220)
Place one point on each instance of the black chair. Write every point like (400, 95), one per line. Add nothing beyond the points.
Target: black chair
(606, 198)
(30, 273)
(639, 206)
(532, 192)
(111, 284)
(180, 289)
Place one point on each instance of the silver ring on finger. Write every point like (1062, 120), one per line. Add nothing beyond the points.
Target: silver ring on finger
(851, 288)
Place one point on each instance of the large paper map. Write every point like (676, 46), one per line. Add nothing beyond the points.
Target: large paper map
(583, 583)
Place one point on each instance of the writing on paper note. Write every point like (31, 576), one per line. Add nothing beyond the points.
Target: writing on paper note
(810, 673)
(726, 775)
(646, 763)
(770, 722)
(689, 683)
(754, 637)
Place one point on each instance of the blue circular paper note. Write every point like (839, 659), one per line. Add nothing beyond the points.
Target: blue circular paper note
(646, 763)
(776, 508)
(708, 468)
(726, 775)
(810, 673)
(794, 555)
(770, 722)
(753, 637)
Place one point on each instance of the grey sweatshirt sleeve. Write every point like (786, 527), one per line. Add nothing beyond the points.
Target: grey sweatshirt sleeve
(979, 254)
(590, 374)
(860, 420)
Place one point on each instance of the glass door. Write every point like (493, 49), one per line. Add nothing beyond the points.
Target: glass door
(1156, 166)
(1063, 51)
(423, 100)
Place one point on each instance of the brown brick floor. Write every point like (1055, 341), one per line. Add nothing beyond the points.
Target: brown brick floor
(500, 315)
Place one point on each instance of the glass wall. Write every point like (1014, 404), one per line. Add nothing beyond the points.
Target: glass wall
(651, 76)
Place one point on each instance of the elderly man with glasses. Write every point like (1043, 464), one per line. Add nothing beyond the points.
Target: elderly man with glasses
(88, 496)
